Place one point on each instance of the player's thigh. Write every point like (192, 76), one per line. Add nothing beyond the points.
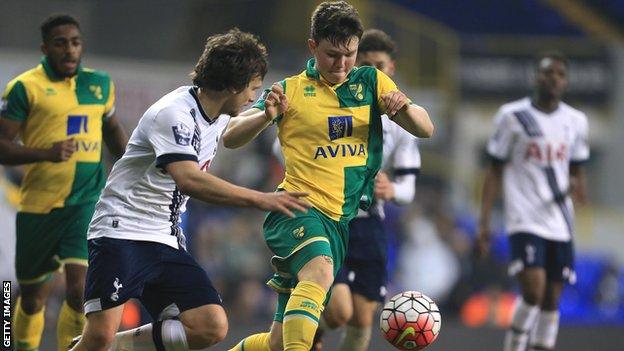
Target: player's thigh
(528, 262)
(180, 284)
(36, 246)
(73, 245)
(297, 241)
(339, 309)
(118, 270)
(363, 311)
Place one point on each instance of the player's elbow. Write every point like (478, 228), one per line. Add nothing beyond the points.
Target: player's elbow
(186, 185)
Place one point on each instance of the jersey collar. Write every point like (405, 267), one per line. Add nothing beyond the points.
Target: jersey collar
(50, 72)
(313, 73)
(193, 92)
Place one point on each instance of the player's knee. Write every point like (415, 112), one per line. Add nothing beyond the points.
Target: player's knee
(97, 339)
(212, 332)
(533, 297)
(342, 315)
(32, 304)
(319, 270)
(74, 295)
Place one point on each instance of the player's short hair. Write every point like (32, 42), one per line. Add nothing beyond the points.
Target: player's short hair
(551, 54)
(230, 61)
(55, 20)
(336, 21)
(377, 40)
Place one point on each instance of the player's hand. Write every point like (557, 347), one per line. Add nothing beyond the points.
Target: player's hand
(61, 150)
(394, 101)
(276, 103)
(384, 189)
(284, 202)
(483, 242)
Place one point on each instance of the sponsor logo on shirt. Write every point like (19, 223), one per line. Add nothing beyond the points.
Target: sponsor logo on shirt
(77, 124)
(340, 127)
(309, 91)
(182, 134)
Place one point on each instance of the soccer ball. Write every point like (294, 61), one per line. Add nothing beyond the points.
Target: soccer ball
(410, 321)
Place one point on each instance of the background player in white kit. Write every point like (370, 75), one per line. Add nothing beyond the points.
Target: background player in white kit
(136, 246)
(537, 151)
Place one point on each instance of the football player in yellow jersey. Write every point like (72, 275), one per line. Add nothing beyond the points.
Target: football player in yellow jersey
(62, 112)
(329, 126)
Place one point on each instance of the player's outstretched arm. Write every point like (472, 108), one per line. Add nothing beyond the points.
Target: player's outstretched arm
(12, 153)
(249, 124)
(413, 118)
(491, 186)
(245, 128)
(209, 188)
(114, 136)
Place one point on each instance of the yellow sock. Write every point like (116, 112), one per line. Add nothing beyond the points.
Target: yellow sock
(301, 316)
(69, 325)
(256, 342)
(28, 328)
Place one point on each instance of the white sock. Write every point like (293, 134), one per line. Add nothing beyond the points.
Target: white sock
(356, 339)
(137, 339)
(522, 322)
(544, 334)
(169, 335)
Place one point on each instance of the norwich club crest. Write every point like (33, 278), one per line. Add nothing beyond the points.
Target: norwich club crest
(298, 233)
(357, 90)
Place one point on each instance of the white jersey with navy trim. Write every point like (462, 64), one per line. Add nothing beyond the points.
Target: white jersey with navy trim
(141, 201)
(538, 149)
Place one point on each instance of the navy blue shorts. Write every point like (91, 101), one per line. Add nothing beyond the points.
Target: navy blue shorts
(556, 257)
(165, 280)
(364, 269)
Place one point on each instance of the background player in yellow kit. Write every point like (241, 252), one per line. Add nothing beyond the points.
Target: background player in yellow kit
(329, 120)
(62, 112)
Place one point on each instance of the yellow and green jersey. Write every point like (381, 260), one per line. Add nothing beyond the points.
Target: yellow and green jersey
(54, 109)
(332, 139)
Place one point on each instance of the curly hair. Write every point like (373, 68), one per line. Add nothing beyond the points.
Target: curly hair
(230, 61)
(336, 21)
(377, 40)
(54, 21)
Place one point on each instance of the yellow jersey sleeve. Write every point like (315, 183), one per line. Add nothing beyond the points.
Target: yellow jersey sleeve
(384, 85)
(109, 107)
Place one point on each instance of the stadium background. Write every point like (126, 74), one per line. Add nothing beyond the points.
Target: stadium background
(460, 59)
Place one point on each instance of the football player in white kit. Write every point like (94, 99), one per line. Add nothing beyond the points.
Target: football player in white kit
(537, 151)
(136, 245)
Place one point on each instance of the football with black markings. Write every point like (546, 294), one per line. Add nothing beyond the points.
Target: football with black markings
(410, 321)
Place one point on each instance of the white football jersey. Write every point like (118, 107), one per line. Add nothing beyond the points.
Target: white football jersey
(401, 158)
(538, 149)
(141, 201)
